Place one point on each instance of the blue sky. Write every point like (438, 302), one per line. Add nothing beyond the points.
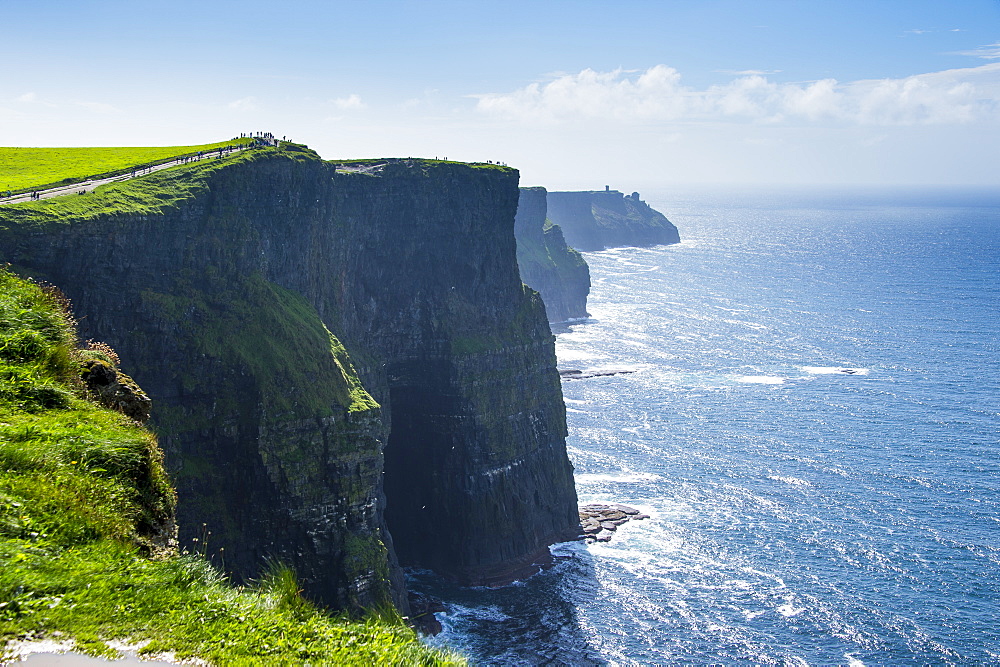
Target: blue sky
(574, 94)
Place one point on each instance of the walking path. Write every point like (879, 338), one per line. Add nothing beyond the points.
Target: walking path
(88, 186)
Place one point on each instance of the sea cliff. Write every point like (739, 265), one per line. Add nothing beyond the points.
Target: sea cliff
(599, 219)
(344, 362)
(557, 271)
(88, 551)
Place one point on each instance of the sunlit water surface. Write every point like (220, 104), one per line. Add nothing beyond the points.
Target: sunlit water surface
(813, 425)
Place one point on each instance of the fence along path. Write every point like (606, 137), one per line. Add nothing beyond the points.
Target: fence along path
(89, 185)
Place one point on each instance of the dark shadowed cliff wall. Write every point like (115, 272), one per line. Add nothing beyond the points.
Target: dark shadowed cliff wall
(547, 264)
(599, 219)
(246, 294)
(477, 478)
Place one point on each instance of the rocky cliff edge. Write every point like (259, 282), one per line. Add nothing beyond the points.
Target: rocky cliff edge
(346, 370)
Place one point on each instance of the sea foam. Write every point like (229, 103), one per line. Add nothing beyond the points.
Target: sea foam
(760, 379)
(834, 370)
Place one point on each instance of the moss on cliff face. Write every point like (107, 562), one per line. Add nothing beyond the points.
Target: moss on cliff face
(84, 502)
(271, 332)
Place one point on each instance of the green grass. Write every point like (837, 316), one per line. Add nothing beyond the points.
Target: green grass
(151, 194)
(426, 163)
(552, 255)
(248, 322)
(147, 195)
(23, 169)
(82, 493)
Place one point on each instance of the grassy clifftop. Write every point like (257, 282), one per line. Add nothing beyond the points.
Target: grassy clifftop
(85, 511)
(27, 168)
(149, 195)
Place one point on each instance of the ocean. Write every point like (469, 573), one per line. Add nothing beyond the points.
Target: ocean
(813, 426)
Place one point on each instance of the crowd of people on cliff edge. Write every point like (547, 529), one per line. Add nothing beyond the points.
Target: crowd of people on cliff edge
(262, 138)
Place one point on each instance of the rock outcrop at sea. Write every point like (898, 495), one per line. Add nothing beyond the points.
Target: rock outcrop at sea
(578, 374)
(599, 521)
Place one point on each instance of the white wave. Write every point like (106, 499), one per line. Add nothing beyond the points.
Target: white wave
(574, 401)
(761, 379)
(852, 661)
(790, 480)
(639, 562)
(581, 334)
(573, 355)
(788, 610)
(625, 477)
(833, 370)
(566, 549)
(750, 325)
(488, 613)
(574, 410)
(778, 581)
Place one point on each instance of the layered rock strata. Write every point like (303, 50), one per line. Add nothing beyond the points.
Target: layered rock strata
(439, 437)
(549, 266)
(599, 521)
(599, 219)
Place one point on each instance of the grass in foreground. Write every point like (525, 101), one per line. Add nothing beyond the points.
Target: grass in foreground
(82, 491)
(33, 168)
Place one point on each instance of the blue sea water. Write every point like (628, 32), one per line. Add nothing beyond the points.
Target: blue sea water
(800, 513)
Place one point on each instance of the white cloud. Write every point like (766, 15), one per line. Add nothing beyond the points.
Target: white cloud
(244, 104)
(988, 52)
(33, 98)
(351, 102)
(657, 95)
(430, 99)
(99, 107)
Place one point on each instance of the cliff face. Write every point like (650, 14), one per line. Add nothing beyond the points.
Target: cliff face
(477, 478)
(89, 550)
(547, 264)
(595, 220)
(275, 450)
(223, 301)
